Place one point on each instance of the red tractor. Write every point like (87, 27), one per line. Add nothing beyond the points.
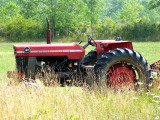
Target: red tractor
(114, 62)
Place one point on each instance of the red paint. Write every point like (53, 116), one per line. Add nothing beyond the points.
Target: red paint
(111, 44)
(21, 75)
(61, 49)
(48, 47)
(121, 75)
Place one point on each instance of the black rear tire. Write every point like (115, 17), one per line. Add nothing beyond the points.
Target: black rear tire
(90, 58)
(123, 56)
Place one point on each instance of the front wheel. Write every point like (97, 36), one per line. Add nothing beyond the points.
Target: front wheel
(123, 67)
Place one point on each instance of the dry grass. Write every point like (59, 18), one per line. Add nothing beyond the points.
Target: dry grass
(74, 103)
(20, 102)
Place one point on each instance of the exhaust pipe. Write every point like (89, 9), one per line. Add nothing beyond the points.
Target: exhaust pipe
(48, 32)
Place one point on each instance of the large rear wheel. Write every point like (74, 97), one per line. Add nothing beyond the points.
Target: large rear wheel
(121, 68)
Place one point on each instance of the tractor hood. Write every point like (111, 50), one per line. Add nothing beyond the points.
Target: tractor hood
(72, 51)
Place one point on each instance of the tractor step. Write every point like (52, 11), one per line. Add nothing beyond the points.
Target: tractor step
(90, 67)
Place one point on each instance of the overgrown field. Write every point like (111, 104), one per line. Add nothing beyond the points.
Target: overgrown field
(73, 103)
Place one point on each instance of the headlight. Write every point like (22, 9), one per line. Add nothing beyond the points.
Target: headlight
(26, 50)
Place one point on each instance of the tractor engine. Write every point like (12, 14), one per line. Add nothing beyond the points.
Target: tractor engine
(60, 58)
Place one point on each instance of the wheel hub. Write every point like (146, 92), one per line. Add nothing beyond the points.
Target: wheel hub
(121, 75)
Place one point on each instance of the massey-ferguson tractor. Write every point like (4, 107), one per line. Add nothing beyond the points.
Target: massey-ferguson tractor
(114, 63)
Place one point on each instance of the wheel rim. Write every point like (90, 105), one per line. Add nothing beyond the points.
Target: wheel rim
(121, 75)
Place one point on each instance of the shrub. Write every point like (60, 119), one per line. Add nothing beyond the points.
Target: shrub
(19, 29)
(139, 31)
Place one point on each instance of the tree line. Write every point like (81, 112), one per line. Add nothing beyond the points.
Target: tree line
(22, 20)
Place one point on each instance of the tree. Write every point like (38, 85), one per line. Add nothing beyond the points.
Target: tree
(68, 16)
(95, 7)
(147, 14)
(131, 12)
(9, 11)
(154, 3)
(29, 8)
(113, 8)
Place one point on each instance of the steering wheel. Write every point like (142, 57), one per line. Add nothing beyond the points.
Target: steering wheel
(91, 41)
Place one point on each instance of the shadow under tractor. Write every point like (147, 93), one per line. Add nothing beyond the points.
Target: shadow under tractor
(113, 63)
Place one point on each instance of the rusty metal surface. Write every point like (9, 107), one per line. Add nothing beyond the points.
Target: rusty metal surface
(156, 67)
(48, 32)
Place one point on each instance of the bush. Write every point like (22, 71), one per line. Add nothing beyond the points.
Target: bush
(20, 29)
(140, 31)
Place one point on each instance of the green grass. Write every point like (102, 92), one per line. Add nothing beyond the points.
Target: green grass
(74, 103)
(149, 50)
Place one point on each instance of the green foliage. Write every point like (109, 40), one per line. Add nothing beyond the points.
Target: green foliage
(131, 12)
(154, 4)
(142, 30)
(28, 7)
(106, 29)
(74, 19)
(20, 29)
(138, 31)
(67, 16)
(113, 7)
(8, 12)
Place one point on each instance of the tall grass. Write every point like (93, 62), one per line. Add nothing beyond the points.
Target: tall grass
(21, 102)
(73, 103)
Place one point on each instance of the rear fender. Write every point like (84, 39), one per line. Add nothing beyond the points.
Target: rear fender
(103, 46)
